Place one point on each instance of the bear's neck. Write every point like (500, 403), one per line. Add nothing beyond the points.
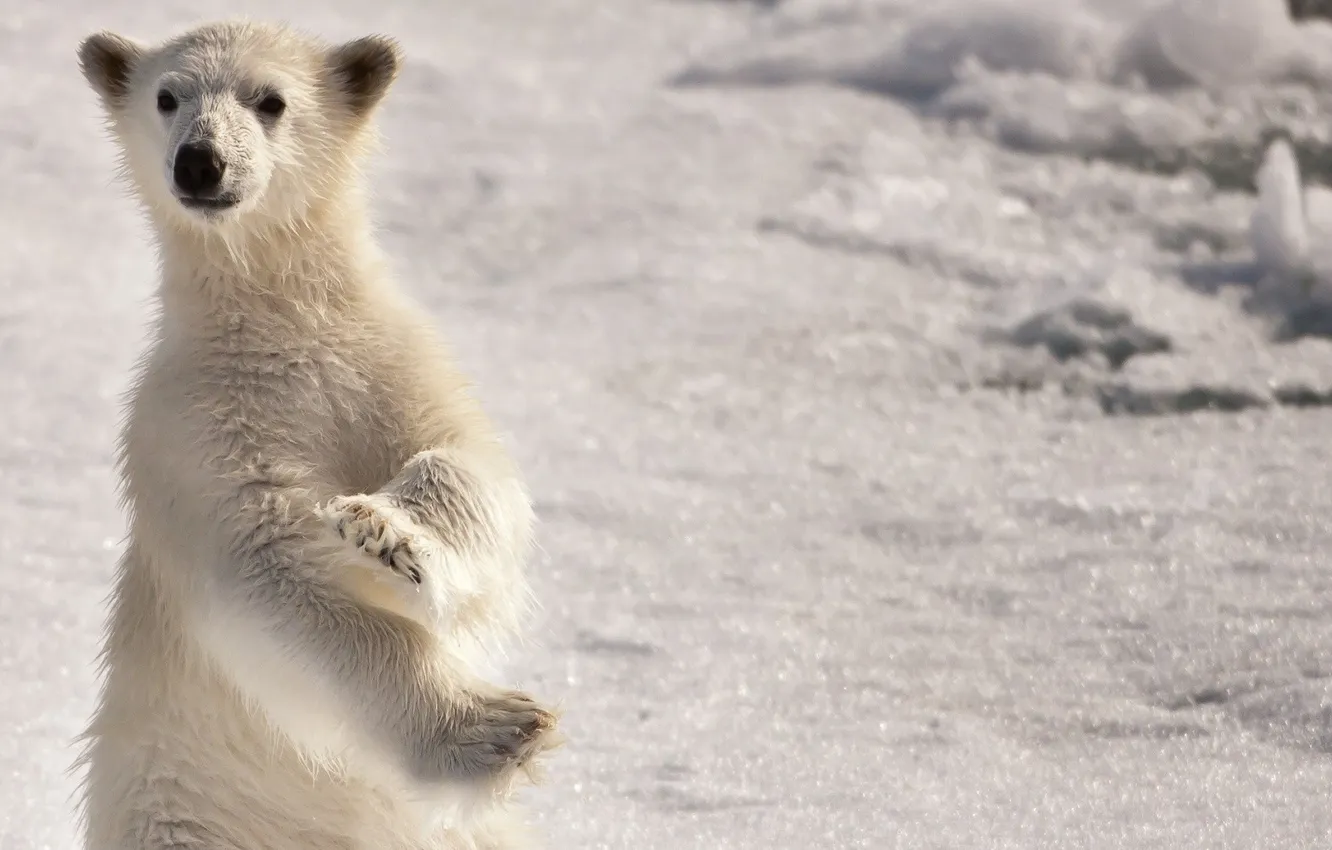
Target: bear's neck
(298, 271)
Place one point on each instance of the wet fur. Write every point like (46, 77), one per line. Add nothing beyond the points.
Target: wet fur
(326, 536)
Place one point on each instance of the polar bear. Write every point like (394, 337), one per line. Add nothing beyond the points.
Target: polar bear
(326, 536)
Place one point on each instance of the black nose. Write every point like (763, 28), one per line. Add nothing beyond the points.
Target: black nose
(198, 169)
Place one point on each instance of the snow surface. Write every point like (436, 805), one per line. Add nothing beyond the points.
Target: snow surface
(923, 402)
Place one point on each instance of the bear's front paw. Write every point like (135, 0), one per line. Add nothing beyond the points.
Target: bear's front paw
(497, 738)
(515, 729)
(378, 528)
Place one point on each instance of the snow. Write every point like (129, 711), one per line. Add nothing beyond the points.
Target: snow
(924, 403)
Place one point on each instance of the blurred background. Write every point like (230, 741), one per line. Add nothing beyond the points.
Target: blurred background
(924, 402)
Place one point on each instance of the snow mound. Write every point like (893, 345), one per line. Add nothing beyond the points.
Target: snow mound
(1127, 293)
(1164, 87)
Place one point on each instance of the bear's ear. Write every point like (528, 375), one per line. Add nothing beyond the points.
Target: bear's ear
(362, 71)
(107, 60)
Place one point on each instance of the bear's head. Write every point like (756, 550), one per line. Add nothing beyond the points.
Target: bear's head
(239, 124)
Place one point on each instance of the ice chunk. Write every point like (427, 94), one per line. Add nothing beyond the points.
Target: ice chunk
(1279, 228)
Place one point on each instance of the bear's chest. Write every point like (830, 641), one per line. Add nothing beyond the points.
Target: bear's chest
(327, 402)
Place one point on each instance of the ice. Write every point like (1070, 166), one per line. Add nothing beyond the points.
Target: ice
(1198, 42)
(924, 403)
(1162, 87)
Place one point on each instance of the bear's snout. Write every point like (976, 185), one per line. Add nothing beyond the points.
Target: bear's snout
(198, 169)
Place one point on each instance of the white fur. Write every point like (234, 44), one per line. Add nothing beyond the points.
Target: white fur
(326, 536)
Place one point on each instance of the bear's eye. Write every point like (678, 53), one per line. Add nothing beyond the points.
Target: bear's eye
(166, 102)
(272, 105)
